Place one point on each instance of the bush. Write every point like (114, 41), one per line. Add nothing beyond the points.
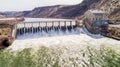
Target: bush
(51, 57)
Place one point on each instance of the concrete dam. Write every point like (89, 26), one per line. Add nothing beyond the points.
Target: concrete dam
(46, 28)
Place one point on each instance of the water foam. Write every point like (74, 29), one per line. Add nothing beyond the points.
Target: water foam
(80, 39)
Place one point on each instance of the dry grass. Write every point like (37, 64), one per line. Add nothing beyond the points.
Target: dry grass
(5, 29)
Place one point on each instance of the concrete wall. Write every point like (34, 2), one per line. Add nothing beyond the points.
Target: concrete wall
(46, 23)
(88, 26)
(91, 17)
(14, 31)
(95, 16)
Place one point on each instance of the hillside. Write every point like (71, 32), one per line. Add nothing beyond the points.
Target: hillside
(2, 15)
(111, 7)
(58, 11)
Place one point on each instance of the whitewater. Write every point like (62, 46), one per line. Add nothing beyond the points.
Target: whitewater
(71, 48)
(72, 40)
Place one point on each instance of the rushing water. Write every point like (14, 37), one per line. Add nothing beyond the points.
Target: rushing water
(46, 32)
(68, 39)
(58, 36)
(38, 27)
(72, 43)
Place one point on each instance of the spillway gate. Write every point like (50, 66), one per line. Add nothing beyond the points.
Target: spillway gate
(44, 26)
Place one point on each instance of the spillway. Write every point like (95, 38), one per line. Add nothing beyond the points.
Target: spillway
(46, 28)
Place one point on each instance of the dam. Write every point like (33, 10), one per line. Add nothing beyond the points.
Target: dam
(41, 27)
(29, 28)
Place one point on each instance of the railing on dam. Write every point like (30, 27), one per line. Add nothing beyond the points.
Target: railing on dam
(45, 26)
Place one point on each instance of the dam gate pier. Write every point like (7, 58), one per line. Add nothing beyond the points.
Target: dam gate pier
(44, 28)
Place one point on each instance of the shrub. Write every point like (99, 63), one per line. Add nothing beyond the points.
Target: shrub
(51, 57)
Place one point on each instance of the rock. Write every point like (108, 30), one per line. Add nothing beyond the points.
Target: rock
(5, 41)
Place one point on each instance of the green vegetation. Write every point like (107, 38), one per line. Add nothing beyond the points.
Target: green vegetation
(52, 57)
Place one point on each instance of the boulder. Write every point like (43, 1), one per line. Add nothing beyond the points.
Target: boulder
(5, 41)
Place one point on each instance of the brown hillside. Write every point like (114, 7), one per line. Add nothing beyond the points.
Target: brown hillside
(58, 11)
(111, 7)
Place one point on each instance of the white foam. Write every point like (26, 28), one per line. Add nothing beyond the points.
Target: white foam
(72, 40)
